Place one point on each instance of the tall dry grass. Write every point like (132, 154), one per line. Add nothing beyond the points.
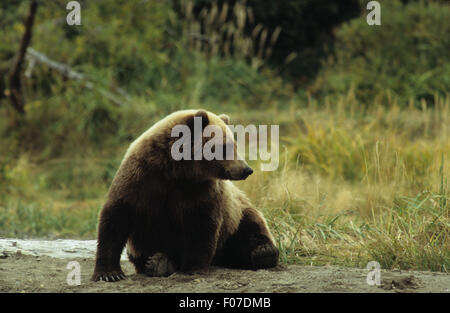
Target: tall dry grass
(358, 185)
(222, 30)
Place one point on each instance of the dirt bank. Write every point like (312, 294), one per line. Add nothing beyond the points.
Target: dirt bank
(25, 273)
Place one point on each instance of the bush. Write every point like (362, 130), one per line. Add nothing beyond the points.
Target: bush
(406, 57)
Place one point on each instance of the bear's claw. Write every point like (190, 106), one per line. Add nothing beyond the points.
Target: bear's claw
(110, 276)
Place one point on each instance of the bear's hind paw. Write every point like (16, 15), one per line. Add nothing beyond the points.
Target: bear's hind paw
(159, 265)
(264, 256)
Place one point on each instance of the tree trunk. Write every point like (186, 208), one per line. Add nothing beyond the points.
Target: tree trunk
(15, 84)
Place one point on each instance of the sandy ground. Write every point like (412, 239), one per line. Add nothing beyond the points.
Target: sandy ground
(31, 271)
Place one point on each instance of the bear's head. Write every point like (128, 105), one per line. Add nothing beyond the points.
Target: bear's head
(201, 147)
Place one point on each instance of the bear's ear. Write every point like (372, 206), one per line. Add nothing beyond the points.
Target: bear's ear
(225, 118)
(204, 115)
(204, 119)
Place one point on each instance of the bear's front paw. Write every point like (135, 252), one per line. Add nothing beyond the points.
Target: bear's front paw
(109, 276)
(264, 256)
(159, 265)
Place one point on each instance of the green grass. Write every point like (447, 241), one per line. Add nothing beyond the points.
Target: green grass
(31, 220)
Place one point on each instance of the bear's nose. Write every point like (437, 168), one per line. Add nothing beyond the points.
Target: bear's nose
(247, 172)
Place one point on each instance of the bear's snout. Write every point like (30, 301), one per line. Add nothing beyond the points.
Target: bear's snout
(241, 175)
(247, 172)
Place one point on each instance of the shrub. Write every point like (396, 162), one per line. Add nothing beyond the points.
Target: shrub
(406, 57)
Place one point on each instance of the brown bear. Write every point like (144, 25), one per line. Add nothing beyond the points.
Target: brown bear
(180, 215)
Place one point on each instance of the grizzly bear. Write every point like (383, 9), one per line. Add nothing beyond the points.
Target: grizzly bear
(180, 215)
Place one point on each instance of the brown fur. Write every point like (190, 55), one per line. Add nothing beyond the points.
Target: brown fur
(187, 210)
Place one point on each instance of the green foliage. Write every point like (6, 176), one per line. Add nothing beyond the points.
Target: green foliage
(407, 57)
(120, 43)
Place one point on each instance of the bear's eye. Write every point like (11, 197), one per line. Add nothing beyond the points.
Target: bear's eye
(228, 151)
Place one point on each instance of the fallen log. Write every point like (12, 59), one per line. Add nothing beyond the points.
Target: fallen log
(66, 71)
